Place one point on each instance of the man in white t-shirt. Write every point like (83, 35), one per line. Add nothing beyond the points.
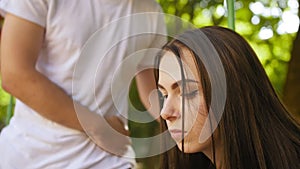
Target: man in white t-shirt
(45, 65)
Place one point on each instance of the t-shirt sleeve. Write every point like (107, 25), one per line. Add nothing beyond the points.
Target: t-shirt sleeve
(159, 39)
(32, 10)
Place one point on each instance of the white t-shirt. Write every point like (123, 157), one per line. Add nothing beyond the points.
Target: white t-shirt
(33, 142)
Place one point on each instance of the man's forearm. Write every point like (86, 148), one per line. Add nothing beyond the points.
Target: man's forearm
(147, 91)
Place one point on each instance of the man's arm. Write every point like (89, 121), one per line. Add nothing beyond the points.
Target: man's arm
(21, 42)
(147, 92)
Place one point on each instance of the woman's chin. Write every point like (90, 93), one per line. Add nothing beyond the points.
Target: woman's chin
(193, 147)
(188, 148)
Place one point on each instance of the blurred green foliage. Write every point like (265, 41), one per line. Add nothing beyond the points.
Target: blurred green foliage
(4, 103)
(273, 52)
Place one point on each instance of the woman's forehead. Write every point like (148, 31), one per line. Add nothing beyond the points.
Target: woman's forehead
(170, 65)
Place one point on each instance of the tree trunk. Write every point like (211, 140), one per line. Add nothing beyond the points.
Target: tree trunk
(291, 93)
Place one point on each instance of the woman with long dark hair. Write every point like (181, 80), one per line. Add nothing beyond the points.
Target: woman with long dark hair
(220, 107)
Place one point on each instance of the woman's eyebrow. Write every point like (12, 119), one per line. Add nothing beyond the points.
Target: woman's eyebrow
(178, 83)
(160, 86)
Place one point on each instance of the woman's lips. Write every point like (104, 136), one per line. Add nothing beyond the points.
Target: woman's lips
(177, 134)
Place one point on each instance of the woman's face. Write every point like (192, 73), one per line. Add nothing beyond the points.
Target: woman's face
(170, 85)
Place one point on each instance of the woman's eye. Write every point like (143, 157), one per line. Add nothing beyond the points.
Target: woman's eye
(191, 94)
(162, 96)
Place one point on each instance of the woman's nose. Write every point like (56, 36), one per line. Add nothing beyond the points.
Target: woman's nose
(171, 109)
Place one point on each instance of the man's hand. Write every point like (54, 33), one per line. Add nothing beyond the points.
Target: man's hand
(108, 133)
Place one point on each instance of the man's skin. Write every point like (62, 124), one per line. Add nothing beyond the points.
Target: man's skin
(21, 44)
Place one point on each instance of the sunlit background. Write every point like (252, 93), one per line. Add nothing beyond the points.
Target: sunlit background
(269, 26)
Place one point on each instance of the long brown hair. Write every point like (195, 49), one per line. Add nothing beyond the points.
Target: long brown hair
(256, 130)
